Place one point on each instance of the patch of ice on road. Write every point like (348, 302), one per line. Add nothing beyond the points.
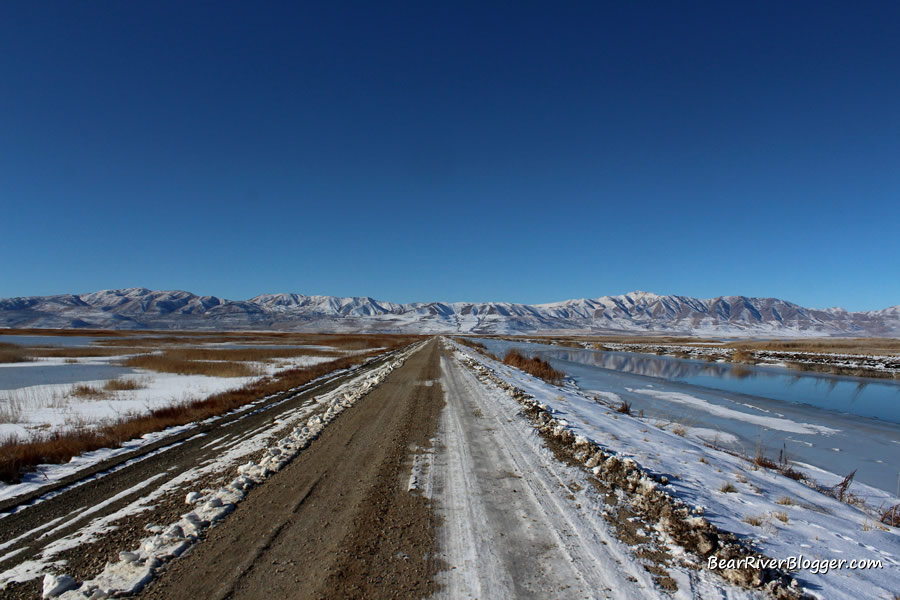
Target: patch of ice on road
(420, 477)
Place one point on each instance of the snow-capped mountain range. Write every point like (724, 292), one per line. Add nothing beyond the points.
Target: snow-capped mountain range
(637, 312)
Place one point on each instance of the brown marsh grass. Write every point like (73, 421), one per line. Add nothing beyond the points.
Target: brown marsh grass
(337, 341)
(84, 351)
(11, 353)
(17, 457)
(245, 354)
(161, 363)
(123, 385)
(534, 365)
(872, 346)
(89, 392)
(478, 347)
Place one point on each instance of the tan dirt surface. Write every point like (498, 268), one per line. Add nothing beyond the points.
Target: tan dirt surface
(339, 520)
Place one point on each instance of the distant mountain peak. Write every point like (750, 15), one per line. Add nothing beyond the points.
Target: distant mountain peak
(635, 312)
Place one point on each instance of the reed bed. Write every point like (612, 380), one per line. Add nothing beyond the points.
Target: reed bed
(12, 353)
(17, 457)
(161, 363)
(533, 365)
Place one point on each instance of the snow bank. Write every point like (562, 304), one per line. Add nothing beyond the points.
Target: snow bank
(134, 569)
(777, 516)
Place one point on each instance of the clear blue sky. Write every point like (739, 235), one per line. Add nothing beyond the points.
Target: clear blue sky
(509, 151)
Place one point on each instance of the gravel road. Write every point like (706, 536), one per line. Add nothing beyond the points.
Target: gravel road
(429, 486)
(339, 521)
(49, 521)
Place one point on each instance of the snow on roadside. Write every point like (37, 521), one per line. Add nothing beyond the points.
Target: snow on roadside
(781, 517)
(290, 434)
(47, 409)
(162, 390)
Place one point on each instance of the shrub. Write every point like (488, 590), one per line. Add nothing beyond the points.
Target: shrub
(163, 363)
(123, 385)
(534, 365)
(892, 516)
(742, 356)
(82, 390)
(11, 353)
(755, 521)
(17, 457)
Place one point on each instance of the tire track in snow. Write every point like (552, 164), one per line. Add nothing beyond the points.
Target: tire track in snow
(556, 549)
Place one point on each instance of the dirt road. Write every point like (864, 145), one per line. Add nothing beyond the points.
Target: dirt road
(431, 485)
(95, 515)
(339, 521)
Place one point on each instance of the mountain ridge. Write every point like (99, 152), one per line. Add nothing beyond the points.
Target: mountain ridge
(635, 312)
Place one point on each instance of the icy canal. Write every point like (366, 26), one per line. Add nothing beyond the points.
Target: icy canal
(834, 423)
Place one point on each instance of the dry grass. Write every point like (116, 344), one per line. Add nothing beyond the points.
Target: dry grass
(742, 356)
(337, 341)
(11, 353)
(10, 410)
(761, 460)
(17, 457)
(245, 354)
(839, 370)
(534, 365)
(781, 516)
(68, 332)
(85, 351)
(871, 346)
(87, 392)
(891, 516)
(162, 363)
(15, 404)
(786, 501)
(755, 521)
(679, 430)
(123, 385)
(472, 344)
(727, 488)
(478, 347)
(624, 408)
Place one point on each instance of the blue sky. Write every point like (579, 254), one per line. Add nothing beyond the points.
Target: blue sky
(521, 152)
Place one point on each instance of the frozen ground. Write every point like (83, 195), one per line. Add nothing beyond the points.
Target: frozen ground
(48, 408)
(517, 523)
(837, 423)
(781, 517)
(190, 480)
(513, 520)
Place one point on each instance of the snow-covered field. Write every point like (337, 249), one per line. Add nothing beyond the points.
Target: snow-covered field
(46, 409)
(780, 517)
(273, 445)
